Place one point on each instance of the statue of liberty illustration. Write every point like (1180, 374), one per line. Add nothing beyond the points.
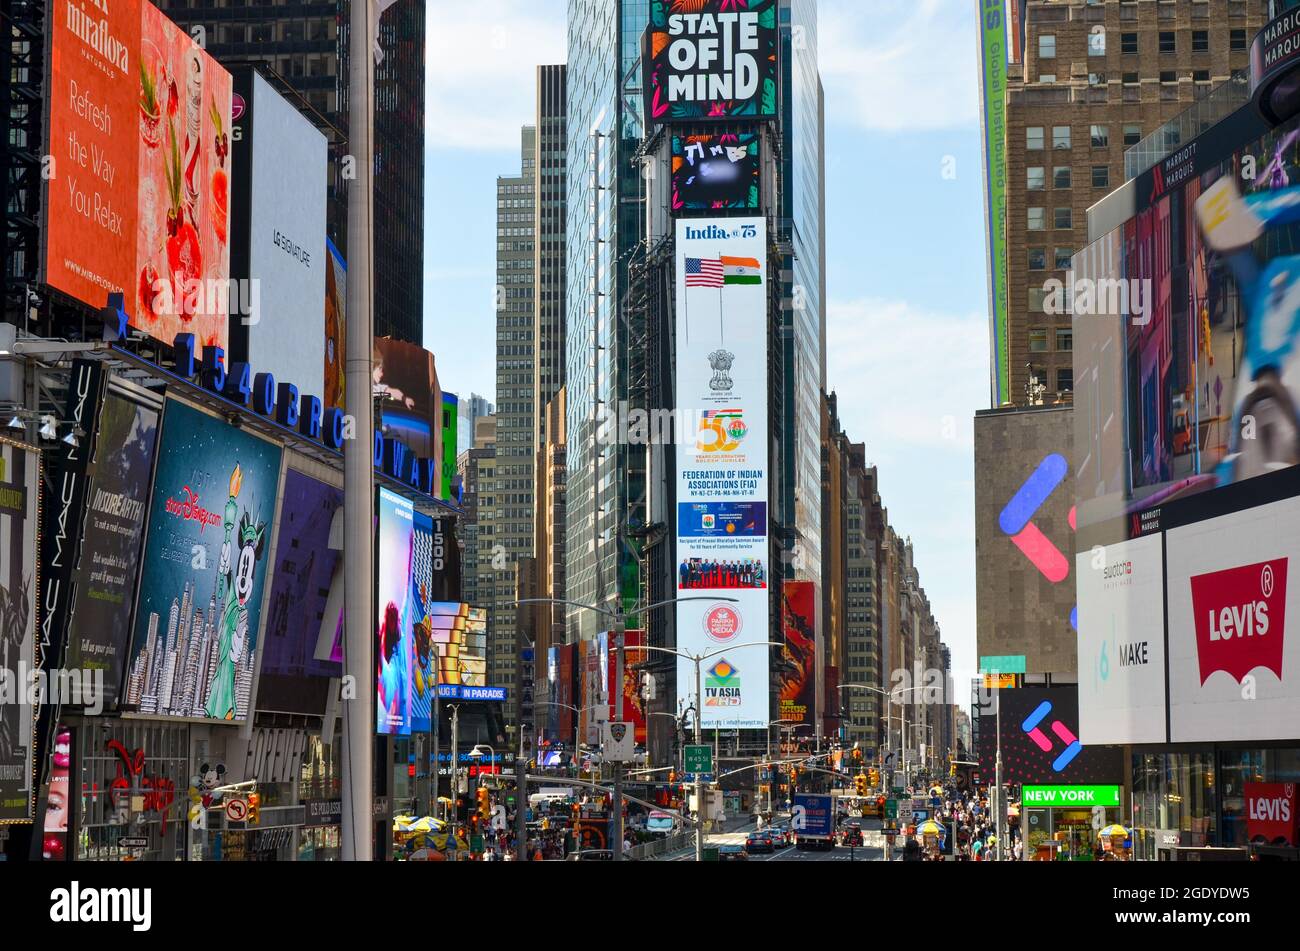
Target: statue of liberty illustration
(234, 588)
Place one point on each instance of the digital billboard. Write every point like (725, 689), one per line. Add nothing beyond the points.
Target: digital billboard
(797, 662)
(1040, 740)
(138, 200)
(300, 627)
(1121, 590)
(393, 651)
(710, 59)
(721, 321)
(419, 600)
(716, 172)
(104, 587)
(20, 475)
(198, 615)
(336, 287)
(411, 400)
(279, 216)
(1232, 596)
(1191, 376)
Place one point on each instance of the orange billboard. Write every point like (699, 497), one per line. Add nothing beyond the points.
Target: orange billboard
(137, 196)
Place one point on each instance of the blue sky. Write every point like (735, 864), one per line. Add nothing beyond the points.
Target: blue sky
(907, 315)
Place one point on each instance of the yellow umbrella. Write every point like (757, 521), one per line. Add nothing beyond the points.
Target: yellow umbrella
(930, 827)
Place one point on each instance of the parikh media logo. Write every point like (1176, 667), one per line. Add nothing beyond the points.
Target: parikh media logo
(722, 623)
(1240, 616)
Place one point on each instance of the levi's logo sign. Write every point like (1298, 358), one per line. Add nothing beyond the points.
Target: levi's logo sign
(1240, 618)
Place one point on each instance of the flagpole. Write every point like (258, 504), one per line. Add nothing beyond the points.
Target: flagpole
(357, 838)
(722, 332)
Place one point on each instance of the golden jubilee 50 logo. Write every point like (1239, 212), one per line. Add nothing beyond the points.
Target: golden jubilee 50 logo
(721, 430)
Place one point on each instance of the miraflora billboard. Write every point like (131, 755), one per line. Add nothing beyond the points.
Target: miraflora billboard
(198, 617)
(1121, 643)
(711, 59)
(722, 465)
(19, 489)
(138, 199)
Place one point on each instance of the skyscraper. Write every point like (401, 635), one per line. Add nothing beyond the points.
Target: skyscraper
(307, 44)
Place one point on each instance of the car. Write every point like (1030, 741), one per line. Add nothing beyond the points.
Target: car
(780, 837)
(759, 842)
(732, 853)
(592, 855)
(851, 835)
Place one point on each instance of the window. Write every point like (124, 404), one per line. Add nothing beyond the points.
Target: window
(1128, 42)
(1097, 41)
(1130, 79)
(1038, 341)
(1101, 176)
(1100, 136)
(1096, 79)
(1034, 137)
(1200, 41)
(1035, 178)
(1062, 218)
(1063, 259)
(1200, 75)
(1047, 46)
(1061, 176)
(1168, 76)
(1065, 380)
(1168, 41)
(1036, 297)
(1060, 136)
(1038, 259)
(1037, 219)
(1065, 340)
(1047, 78)
(1237, 41)
(1132, 133)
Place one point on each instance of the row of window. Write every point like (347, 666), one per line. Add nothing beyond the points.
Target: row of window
(1168, 77)
(1128, 42)
(1060, 259)
(1098, 136)
(1062, 219)
(1038, 339)
(1064, 378)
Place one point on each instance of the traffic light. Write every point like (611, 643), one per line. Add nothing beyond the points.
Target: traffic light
(875, 777)
(484, 803)
(860, 784)
(254, 809)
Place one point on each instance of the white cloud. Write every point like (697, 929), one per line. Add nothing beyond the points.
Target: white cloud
(900, 65)
(482, 61)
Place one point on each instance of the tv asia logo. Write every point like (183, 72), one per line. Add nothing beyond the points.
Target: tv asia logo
(722, 686)
(1240, 616)
(722, 623)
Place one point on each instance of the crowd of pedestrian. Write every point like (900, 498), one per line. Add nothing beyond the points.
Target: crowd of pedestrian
(976, 838)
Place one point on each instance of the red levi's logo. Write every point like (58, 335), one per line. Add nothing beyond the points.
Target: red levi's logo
(1240, 619)
(1271, 812)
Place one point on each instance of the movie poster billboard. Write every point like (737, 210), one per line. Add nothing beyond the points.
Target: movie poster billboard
(716, 172)
(336, 288)
(20, 470)
(138, 199)
(393, 652)
(709, 59)
(634, 706)
(104, 586)
(301, 628)
(798, 659)
(198, 615)
(722, 465)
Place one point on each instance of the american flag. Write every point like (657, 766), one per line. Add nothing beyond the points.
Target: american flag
(704, 272)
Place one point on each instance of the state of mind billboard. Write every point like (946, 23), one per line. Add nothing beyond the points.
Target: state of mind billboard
(138, 196)
(722, 465)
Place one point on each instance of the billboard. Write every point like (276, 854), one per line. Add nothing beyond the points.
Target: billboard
(716, 172)
(198, 616)
(1121, 591)
(336, 288)
(20, 473)
(1195, 382)
(424, 658)
(993, 113)
(306, 580)
(1271, 813)
(797, 664)
(1232, 602)
(104, 583)
(393, 652)
(139, 198)
(721, 320)
(407, 383)
(1040, 740)
(279, 215)
(710, 59)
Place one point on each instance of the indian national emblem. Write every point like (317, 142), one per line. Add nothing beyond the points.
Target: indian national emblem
(721, 361)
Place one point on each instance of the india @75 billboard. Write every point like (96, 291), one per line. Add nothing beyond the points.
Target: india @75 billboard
(722, 464)
(207, 547)
(139, 196)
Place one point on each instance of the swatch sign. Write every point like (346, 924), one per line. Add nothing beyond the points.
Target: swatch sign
(1240, 616)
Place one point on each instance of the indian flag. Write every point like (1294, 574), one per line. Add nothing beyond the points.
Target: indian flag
(741, 270)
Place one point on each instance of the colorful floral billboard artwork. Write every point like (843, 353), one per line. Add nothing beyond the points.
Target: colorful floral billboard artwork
(139, 197)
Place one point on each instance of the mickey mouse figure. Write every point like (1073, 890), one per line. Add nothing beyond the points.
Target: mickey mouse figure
(210, 777)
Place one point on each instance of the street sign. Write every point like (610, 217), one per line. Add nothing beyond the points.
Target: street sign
(697, 759)
(1003, 664)
(1057, 796)
(999, 681)
(236, 809)
(900, 781)
(134, 842)
(891, 808)
(620, 742)
(904, 810)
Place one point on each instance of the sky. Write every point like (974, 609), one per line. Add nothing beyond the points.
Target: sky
(907, 326)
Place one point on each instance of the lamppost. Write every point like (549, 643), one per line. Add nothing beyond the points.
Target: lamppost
(770, 775)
